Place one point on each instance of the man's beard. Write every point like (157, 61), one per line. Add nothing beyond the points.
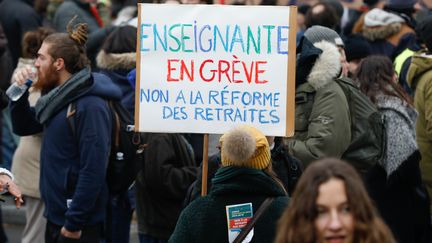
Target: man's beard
(48, 81)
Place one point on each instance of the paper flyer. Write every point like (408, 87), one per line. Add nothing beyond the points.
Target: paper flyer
(238, 216)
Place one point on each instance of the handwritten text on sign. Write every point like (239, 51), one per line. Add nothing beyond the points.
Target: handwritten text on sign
(205, 68)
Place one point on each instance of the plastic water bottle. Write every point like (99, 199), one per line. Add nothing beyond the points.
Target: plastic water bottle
(15, 91)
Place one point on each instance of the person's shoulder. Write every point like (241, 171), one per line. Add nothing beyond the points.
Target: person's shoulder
(65, 5)
(332, 89)
(281, 201)
(91, 102)
(105, 88)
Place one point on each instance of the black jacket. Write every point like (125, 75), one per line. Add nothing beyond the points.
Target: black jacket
(402, 200)
(167, 171)
(18, 17)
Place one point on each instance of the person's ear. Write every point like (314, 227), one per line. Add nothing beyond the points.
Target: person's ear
(59, 64)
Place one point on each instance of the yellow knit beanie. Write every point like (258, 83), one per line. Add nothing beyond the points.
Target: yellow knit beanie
(245, 146)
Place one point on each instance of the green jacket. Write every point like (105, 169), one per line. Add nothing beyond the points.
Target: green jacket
(322, 117)
(420, 78)
(205, 220)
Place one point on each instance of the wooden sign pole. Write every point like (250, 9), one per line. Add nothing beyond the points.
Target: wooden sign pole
(205, 166)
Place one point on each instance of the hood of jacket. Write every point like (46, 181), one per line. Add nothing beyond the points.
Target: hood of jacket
(421, 63)
(104, 87)
(305, 60)
(381, 32)
(119, 78)
(115, 61)
(327, 66)
(380, 24)
(399, 106)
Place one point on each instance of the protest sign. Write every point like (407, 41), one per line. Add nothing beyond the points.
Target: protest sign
(207, 68)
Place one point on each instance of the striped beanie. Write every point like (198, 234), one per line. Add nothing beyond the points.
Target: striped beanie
(245, 146)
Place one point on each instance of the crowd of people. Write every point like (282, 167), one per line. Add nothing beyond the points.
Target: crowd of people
(358, 168)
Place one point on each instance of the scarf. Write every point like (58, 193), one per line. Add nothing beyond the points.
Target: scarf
(51, 103)
(402, 144)
(228, 172)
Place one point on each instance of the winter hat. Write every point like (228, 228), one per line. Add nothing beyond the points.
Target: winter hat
(370, 2)
(319, 33)
(245, 146)
(424, 32)
(401, 4)
(118, 49)
(337, 5)
(378, 17)
(357, 47)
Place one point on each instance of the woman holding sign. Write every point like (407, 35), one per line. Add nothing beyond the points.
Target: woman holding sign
(244, 190)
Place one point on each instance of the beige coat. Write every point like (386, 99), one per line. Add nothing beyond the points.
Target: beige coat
(26, 160)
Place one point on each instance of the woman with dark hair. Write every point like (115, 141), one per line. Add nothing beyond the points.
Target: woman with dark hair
(397, 188)
(330, 204)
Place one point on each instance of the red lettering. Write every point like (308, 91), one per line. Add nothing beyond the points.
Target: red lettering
(235, 71)
(258, 71)
(224, 70)
(201, 71)
(184, 69)
(169, 77)
(248, 74)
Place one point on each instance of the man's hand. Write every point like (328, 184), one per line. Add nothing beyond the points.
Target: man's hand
(70, 234)
(6, 183)
(21, 75)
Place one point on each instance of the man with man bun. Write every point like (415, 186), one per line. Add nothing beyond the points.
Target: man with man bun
(73, 158)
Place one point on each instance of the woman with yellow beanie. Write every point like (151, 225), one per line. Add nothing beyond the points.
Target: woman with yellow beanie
(240, 187)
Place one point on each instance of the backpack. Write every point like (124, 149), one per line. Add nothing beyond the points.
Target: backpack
(124, 159)
(368, 131)
(287, 167)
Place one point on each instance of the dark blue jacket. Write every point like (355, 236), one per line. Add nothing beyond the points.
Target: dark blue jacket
(119, 78)
(73, 165)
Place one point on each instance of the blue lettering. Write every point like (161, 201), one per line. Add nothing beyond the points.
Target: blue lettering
(237, 37)
(283, 51)
(143, 36)
(209, 40)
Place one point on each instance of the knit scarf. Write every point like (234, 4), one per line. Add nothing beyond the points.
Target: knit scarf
(51, 103)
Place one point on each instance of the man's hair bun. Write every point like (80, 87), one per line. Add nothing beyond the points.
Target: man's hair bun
(78, 32)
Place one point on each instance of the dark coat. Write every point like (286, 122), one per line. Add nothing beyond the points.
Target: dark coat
(205, 220)
(397, 187)
(70, 8)
(168, 170)
(402, 201)
(18, 17)
(73, 165)
(6, 68)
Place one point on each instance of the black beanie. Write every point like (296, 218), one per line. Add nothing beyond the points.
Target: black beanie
(370, 2)
(424, 31)
(357, 47)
